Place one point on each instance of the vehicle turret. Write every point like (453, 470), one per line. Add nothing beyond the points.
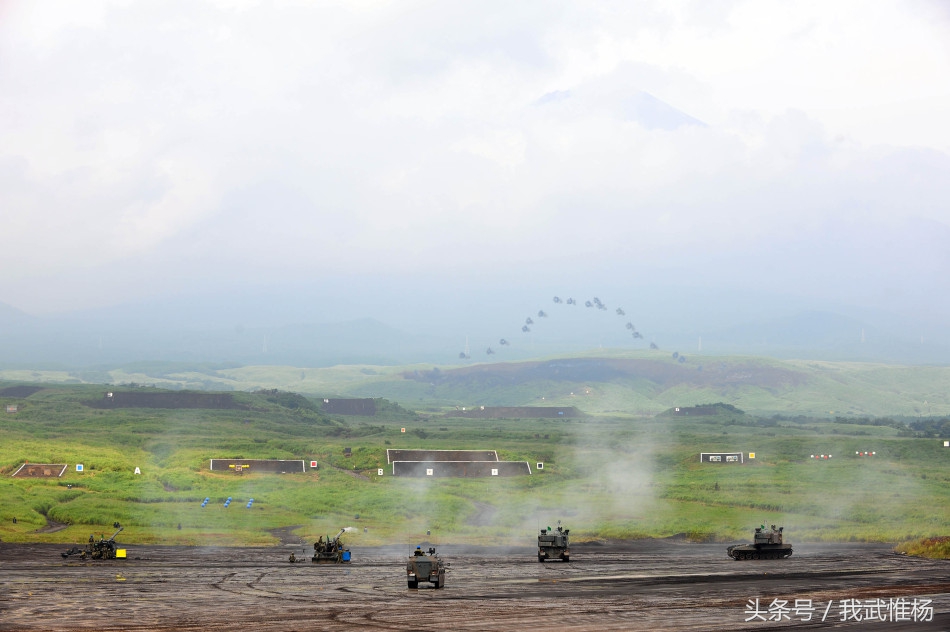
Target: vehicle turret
(554, 544)
(767, 544)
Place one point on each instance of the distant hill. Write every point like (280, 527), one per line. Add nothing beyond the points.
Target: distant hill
(161, 332)
(653, 382)
(12, 318)
(827, 336)
(635, 383)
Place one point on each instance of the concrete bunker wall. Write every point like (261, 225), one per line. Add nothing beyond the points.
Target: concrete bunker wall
(259, 465)
(721, 457)
(441, 455)
(40, 470)
(460, 469)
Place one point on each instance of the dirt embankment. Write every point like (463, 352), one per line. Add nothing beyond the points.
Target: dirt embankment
(213, 401)
(517, 412)
(21, 391)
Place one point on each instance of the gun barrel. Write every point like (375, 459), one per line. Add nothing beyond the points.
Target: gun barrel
(116, 533)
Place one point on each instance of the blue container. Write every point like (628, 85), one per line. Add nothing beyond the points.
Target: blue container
(346, 556)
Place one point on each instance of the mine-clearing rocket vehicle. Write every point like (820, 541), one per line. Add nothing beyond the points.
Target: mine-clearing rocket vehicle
(554, 544)
(767, 545)
(331, 550)
(425, 567)
(101, 549)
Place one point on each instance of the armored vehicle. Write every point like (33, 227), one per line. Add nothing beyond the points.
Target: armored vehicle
(330, 551)
(553, 544)
(767, 545)
(425, 567)
(101, 549)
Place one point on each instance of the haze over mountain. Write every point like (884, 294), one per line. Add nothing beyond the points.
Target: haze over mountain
(397, 321)
(310, 184)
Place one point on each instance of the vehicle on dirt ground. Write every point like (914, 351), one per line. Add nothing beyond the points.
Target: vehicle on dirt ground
(425, 567)
(768, 544)
(101, 549)
(330, 551)
(554, 544)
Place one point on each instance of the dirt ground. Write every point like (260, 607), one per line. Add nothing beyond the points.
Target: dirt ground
(644, 585)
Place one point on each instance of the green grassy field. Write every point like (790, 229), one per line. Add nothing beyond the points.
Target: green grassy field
(606, 475)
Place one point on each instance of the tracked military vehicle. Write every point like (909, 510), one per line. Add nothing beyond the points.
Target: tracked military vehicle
(554, 544)
(425, 567)
(768, 544)
(330, 551)
(101, 549)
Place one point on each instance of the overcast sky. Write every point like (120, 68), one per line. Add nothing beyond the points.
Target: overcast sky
(147, 148)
